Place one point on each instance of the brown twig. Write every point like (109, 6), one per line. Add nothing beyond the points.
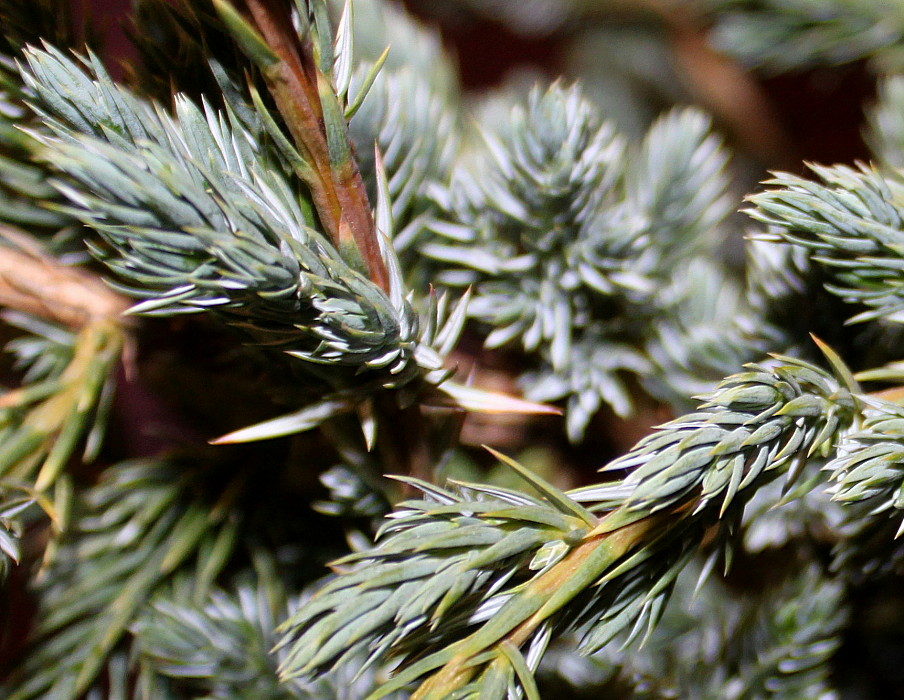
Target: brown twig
(32, 282)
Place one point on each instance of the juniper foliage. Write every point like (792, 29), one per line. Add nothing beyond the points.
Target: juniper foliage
(316, 259)
(780, 36)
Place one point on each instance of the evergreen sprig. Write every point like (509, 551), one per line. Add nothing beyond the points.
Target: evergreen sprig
(850, 221)
(194, 221)
(782, 35)
(467, 586)
(868, 482)
(231, 176)
(842, 235)
(677, 187)
(135, 530)
(221, 649)
(568, 235)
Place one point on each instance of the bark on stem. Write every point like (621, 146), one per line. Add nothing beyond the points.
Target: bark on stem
(338, 191)
(41, 286)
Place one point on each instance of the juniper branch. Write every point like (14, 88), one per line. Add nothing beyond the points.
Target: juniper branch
(569, 237)
(851, 223)
(868, 467)
(141, 523)
(781, 35)
(452, 591)
(246, 204)
(194, 221)
(867, 482)
(298, 72)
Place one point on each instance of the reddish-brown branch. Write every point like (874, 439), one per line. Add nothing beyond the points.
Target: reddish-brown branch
(338, 192)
